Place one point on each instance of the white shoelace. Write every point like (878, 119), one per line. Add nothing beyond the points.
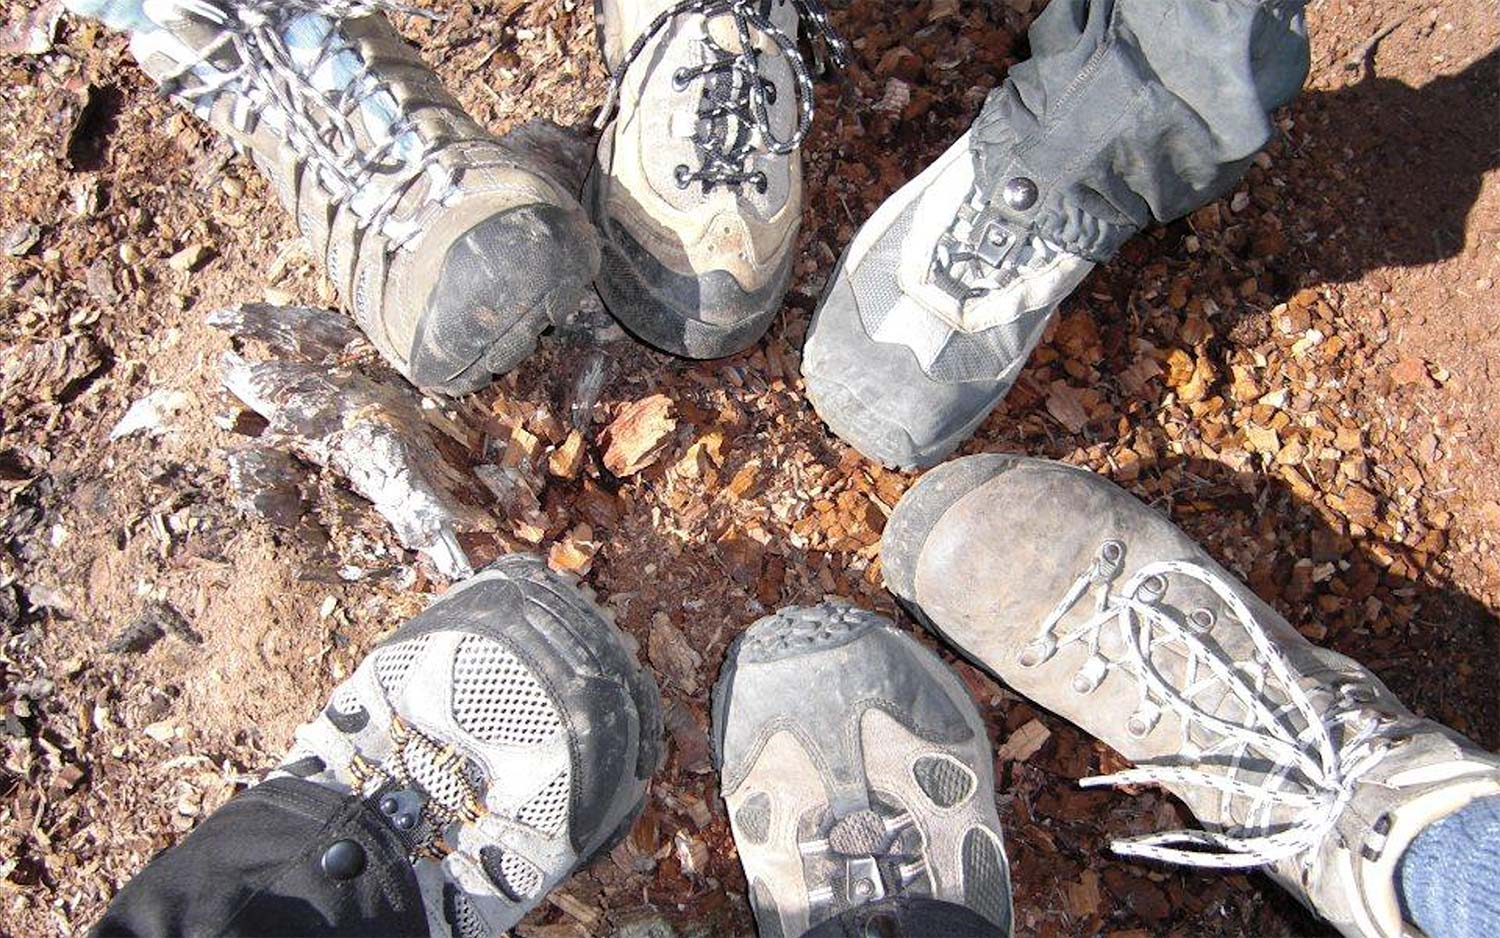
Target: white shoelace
(322, 119)
(1307, 773)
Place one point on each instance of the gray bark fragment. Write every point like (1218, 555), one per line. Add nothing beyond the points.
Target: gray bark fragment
(371, 432)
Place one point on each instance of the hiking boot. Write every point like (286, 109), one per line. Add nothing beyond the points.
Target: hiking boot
(1295, 758)
(932, 312)
(697, 190)
(453, 250)
(855, 769)
(1107, 128)
(506, 734)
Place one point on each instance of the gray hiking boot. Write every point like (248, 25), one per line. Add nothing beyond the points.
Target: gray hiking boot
(697, 191)
(855, 768)
(453, 250)
(506, 734)
(933, 311)
(1295, 758)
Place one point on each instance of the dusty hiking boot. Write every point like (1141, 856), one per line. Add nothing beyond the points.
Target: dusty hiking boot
(855, 768)
(1107, 128)
(1295, 758)
(453, 250)
(933, 311)
(697, 190)
(506, 734)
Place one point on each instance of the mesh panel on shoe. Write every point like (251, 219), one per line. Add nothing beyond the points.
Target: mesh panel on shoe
(874, 282)
(346, 699)
(754, 817)
(514, 875)
(548, 811)
(462, 918)
(443, 784)
(524, 878)
(394, 662)
(767, 915)
(943, 780)
(497, 698)
(971, 356)
(986, 888)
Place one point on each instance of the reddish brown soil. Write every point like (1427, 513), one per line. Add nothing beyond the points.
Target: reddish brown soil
(1350, 477)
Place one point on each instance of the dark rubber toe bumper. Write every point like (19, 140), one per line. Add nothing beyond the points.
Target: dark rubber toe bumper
(502, 283)
(704, 316)
(875, 396)
(813, 670)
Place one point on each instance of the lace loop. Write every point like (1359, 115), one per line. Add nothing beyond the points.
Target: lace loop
(1291, 765)
(726, 148)
(251, 57)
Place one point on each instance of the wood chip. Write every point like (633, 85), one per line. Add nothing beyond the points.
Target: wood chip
(639, 435)
(1024, 742)
(566, 462)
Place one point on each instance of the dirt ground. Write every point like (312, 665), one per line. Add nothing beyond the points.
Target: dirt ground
(1302, 375)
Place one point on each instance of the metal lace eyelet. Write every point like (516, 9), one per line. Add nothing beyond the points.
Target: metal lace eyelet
(1091, 674)
(1153, 588)
(770, 89)
(760, 182)
(1038, 651)
(683, 175)
(1110, 559)
(680, 79)
(1202, 619)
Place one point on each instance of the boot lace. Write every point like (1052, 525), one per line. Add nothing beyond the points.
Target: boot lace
(734, 114)
(251, 59)
(979, 254)
(878, 853)
(1284, 757)
(451, 793)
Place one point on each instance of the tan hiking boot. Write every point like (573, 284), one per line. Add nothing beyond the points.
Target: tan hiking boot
(1294, 757)
(452, 250)
(856, 770)
(697, 190)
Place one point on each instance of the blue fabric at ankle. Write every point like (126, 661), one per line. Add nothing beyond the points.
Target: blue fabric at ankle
(1448, 876)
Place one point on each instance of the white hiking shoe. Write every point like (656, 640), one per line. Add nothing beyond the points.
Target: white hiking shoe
(506, 734)
(855, 768)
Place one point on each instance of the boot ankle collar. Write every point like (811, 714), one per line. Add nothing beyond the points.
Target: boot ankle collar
(1374, 903)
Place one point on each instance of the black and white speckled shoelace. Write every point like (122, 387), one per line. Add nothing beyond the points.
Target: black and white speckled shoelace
(734, 117)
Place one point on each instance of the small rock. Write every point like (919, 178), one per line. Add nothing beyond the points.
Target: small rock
(1024, 742)
(566, 462)
(21, 239)
(672, 655)
(575, 552)
(189, 258)
(162, 730)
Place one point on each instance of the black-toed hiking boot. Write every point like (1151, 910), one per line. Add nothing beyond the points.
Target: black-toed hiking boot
(697, 190)
(452, 249)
